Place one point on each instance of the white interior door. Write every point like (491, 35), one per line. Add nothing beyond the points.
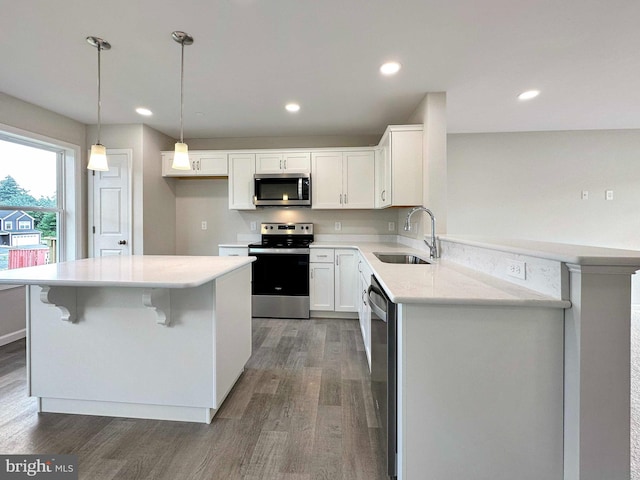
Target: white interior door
(111, 213)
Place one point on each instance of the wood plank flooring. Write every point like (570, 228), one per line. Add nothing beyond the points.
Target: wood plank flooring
(302, 410)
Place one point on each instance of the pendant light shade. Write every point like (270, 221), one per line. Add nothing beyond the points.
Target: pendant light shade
(98, 158)
(181, 154)
(98, 155)
(181, 157)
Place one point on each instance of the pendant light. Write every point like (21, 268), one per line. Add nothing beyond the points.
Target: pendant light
(98, 156)
(181, 154)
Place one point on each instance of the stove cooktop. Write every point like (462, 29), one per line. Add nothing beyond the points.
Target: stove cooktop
(285, 235)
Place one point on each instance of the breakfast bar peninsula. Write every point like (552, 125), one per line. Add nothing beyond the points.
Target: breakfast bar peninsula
(162, 337)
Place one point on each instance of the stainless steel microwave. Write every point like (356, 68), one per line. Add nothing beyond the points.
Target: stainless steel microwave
(282, 189)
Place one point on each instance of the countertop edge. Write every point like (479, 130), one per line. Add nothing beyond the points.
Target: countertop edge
(240, 262)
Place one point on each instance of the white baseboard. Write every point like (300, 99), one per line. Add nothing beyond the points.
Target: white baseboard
(13, 336)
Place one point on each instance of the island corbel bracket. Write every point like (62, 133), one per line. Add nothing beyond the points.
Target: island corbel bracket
(158, 299)
(62, 298)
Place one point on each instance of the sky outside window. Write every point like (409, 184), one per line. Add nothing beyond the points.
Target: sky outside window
(32, 168)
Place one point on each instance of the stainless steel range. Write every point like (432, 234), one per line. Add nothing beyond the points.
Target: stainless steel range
(280, 275)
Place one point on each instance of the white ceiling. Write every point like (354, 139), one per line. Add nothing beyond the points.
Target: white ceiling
(250, 57)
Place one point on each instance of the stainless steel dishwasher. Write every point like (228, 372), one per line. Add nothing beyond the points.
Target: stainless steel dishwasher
(384, 371)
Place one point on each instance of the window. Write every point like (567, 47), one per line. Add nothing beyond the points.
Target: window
(30, 176)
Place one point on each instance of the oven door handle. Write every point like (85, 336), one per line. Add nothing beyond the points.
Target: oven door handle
(374, 305)
(276, 251)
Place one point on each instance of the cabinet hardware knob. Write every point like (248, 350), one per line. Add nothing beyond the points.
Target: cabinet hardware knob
(122, 242)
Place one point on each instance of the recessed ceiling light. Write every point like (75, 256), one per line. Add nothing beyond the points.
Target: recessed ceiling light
(292, 107)
(144, 111)
(529, 94)
(390, 68)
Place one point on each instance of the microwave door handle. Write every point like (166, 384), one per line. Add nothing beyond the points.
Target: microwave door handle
(300, 189)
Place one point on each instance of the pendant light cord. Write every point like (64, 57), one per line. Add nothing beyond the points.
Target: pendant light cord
(181, 92)
(99, 96)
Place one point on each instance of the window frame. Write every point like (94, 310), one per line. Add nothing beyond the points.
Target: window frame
(71, 225)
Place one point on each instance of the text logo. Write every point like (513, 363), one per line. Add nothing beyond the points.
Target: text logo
(50, 467)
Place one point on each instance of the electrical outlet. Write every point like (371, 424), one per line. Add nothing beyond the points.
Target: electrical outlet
(253, 226)
(608, 194)
(337, 226)
(517, 269)
(392, 226)
(203, 225)
(585, 195)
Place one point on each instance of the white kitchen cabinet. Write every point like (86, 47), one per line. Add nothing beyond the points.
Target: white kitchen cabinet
(364, 311)
(233, 251)
(343, 179)
(346, 280)
(398, 169)
(242, 167)
(203, 163)
(321, 279)
(283, 162)
(383, 178)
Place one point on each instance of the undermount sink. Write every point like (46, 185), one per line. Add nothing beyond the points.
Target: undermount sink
(400, 257)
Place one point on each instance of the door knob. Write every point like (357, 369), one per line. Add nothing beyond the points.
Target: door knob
(122, 242)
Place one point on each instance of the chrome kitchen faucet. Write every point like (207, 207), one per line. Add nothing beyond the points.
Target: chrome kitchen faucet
(433, 247)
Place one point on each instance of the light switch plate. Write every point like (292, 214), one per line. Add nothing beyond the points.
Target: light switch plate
(203, 225)
(337, 226)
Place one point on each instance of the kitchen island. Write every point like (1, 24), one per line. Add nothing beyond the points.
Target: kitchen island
(161, 337)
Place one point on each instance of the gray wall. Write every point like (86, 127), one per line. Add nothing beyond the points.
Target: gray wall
(529, 185)
(153, 196)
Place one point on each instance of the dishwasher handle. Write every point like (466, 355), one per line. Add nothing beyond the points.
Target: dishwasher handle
(375, 307)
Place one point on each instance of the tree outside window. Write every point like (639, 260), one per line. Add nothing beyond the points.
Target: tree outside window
(28, 200)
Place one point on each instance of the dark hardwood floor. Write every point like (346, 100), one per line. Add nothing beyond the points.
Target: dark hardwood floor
(301, 411)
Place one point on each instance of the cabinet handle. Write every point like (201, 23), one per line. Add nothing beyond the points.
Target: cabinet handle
(345, 199)
(285, 163)
(360, 265)
(340, 199)
(383, 194)
(280, 164)
(337, 260)
(311, 272)
(322, 256)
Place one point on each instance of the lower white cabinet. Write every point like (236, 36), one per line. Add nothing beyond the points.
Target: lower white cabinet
(346, 278)
(333, 280)
(321, 295)
(233, 251)
(364, 311)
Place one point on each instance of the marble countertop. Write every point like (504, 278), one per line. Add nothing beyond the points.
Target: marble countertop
(562, 252)
(152, 271)
(442, 282)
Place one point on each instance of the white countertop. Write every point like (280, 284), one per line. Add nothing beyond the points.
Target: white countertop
(152, 271)
(563, 252)
(441, 282)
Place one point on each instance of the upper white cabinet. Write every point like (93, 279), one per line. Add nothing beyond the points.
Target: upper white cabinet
(383, 178)
(398, 169)
(283, 162)
(343, 179)
(242, 168)
(203, 163)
